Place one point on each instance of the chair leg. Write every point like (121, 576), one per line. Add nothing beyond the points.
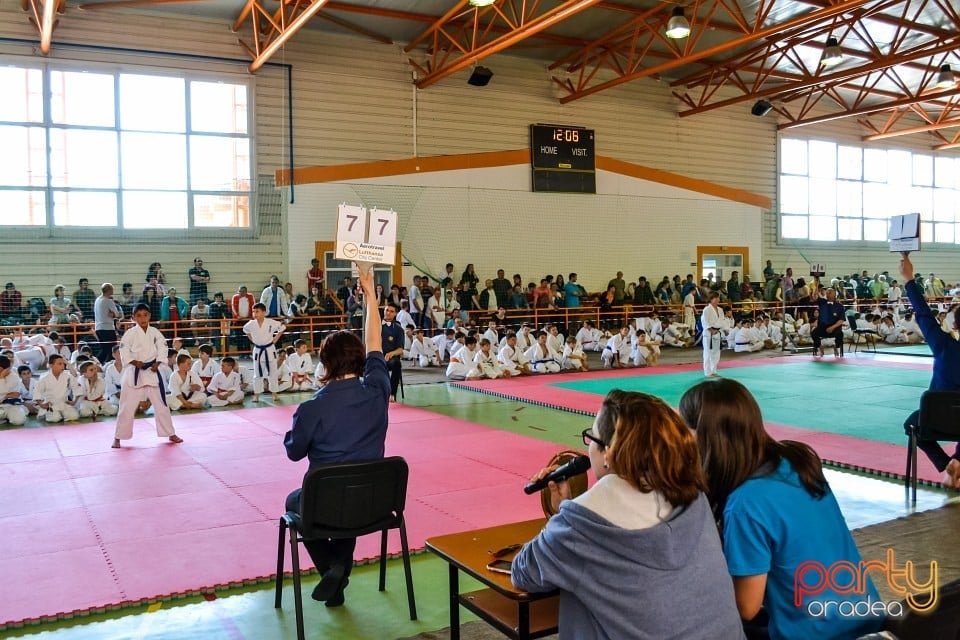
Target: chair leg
(907, 474)
(283, 530)
(915, 474)
(383, 560)
(297, 595)
(411, 600)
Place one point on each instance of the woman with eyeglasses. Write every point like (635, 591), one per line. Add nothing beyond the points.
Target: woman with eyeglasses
(779, 521)
(637, 555)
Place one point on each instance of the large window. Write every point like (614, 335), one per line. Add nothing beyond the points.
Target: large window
(108, 148)
(831, 191)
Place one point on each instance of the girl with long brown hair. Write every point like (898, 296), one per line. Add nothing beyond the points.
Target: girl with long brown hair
(778, 519)
(637, 555)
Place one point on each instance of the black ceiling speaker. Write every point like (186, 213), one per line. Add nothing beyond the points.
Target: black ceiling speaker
(480, 77)
(761, 108)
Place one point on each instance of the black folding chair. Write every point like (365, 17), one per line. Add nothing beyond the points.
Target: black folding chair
(939, 420)
(870, 336)
(348, 500)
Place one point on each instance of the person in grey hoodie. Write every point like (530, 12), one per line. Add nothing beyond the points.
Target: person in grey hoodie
(638, 555)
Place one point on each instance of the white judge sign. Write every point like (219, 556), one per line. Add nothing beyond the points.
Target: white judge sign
(905, 232)
(366, 236)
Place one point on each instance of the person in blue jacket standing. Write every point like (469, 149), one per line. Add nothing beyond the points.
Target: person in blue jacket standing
(946, 371)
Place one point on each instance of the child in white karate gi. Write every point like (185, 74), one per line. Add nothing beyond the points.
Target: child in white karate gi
(225, 388)
(462, 360)
(112, 375)
(513, 362)
(186, 388)
(285, 377)
(543, 359)
(486, 362)
(616, 355)
(300, 365)
(57, 393)
(205, 366)
(142, 349)
(93, 393)
(423, 352)
(27, 389)
(573, 358)
(12, 409)
(263, 333)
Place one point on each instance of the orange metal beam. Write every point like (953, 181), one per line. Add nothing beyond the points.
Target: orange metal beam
(946, 124)
(340, 22)
(46, 25)
(837, 78)
(430, 19)
(875, 108)
(548, 19)
(244, 13)
(120, 4)
(757, 34)
(283, 36)
(438, 23)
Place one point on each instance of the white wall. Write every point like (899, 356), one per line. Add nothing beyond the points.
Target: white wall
(637, 226)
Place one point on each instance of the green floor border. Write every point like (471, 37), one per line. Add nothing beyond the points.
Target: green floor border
(833, 464)
(233, 587)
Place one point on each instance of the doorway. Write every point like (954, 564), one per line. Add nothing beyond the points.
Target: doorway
(718, 262)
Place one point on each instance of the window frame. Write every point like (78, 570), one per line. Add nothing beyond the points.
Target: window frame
(781, 212)
(49, 230)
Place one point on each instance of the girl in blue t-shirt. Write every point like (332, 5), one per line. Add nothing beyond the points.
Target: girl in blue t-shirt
(781, 527)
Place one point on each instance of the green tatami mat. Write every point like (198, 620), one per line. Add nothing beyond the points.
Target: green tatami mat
(561, 427)
(862, 401)
(905, 349)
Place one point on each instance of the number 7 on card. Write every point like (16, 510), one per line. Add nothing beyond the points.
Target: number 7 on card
(366, 237)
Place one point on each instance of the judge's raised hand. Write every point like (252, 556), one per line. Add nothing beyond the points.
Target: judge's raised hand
(365, 278)
(906, 266)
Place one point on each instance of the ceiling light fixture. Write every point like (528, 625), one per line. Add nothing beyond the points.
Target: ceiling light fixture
(481, 3)
(678, 26)
(946, 79)
(831, 53)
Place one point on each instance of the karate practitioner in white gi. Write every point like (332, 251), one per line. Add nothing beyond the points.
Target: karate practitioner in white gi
(142, 349)
(11, 401)
(93, 393)
(711, 319)
(264, 333)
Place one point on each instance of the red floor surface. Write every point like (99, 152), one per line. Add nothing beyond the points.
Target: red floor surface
(86, 527)
(865, 455)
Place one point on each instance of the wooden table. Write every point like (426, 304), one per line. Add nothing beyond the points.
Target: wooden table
(515, 613)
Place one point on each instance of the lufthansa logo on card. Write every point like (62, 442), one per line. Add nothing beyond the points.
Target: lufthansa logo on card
(350, 250)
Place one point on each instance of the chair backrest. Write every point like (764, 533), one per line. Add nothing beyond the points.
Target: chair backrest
(940, 415)
(353, 498)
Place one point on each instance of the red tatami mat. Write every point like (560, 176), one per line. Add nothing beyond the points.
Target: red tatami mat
(885, 459)
(86, 527)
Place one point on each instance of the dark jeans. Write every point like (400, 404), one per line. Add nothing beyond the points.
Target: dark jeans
(325, 553)
(395, 367)
(932, 448)
(820, 332)
(106, 339)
